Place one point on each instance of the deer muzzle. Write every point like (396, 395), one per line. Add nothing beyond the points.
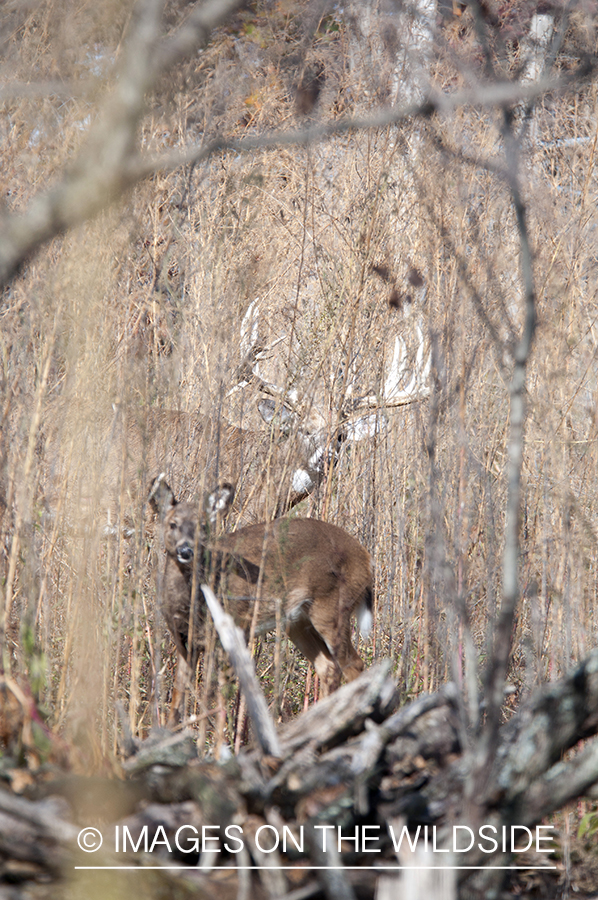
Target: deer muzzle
(184, 552)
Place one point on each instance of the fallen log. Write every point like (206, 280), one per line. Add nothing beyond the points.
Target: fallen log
(354, 776)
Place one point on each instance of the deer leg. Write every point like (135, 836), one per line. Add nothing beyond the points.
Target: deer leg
(340, 649)
(314, 647)
(181, 680)
(352, 663)
(348, 658)
(333, 629)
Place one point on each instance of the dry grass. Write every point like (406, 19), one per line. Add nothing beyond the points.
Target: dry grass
(141, 311)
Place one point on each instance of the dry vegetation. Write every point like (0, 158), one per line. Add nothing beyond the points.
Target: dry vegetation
(139, 311)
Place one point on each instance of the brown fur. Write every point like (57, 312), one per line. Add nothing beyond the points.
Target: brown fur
(316, 573)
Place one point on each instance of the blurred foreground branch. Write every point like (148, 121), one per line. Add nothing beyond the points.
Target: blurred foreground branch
(110, 163)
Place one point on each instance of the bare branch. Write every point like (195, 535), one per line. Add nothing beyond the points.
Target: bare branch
(234, 644)
(195, 32)
(499, 660)
(109, 164)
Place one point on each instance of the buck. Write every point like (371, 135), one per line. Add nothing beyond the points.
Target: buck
(109, 469)
(310, 444)
(316, 444)
(311, 574)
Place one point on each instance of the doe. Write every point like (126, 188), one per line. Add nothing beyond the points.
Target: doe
(312, 574)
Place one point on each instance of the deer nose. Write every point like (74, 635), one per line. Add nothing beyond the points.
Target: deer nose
(184, 552)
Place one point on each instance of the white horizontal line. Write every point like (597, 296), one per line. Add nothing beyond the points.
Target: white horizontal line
(373, 869)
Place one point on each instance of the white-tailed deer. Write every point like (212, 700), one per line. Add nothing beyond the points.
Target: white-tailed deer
(312, 574)
(108, 465)
(317, 436)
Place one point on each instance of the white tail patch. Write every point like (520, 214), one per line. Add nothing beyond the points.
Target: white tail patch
(365, 620)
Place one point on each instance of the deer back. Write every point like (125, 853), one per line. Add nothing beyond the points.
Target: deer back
(307, 567)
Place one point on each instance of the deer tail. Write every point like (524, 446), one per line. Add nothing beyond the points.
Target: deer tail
(365, 617)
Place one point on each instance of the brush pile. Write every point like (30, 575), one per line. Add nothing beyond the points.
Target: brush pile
(354, 777)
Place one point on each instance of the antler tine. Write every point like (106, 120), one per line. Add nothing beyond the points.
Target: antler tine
(397, 370)
(253, 354)
(359, 426)
(249, 328)
(417, 386)
(415, 389)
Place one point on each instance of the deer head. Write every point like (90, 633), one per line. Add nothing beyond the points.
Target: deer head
(319, 437)
(186, 531)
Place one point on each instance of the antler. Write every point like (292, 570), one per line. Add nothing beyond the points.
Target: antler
(286, 407)
(395, 393)
(359, 419)
(253, 353)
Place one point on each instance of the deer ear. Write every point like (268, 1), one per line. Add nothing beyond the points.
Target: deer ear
(161, 497)
(218, 501)
(271, 411)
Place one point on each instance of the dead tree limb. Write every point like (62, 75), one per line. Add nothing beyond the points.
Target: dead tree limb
(233, 641)
(383, 766)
